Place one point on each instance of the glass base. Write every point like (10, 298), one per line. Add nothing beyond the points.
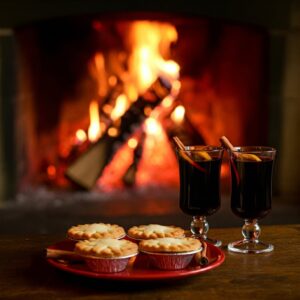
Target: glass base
(214, 242)
(250, 246)
(199, 228)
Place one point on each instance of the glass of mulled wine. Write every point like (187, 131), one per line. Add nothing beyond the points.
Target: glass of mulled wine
(199, 168)
(251, 194)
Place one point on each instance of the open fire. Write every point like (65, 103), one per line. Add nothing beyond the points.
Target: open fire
(146, 156)
(103, 115)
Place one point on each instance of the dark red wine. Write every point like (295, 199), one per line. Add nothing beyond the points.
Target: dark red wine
(200, 188)
(251, 188)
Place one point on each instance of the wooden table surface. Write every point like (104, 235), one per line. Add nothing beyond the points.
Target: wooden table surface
(25, 273)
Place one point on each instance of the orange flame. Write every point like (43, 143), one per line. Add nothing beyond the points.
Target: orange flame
(153, 126)
(120, 107)
(151, 42)
(81, 136)
(178, 114)
(94, 131)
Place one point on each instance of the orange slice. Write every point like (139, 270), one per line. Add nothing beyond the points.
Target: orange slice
(204, 155)
(248, 156)
(189, 160)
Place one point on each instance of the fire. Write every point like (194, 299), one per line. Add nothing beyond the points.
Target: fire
(81, 136)
(151, 42)
(132, 143)
(149, 59)
(120, 107)
(122, 77)
(94, 131)
(153, 127)
(178, 114)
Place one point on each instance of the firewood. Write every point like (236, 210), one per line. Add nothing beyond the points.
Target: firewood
(89, 166)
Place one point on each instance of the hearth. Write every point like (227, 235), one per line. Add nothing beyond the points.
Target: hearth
(100, 97)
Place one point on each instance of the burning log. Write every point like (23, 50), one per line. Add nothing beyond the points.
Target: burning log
(89, 166)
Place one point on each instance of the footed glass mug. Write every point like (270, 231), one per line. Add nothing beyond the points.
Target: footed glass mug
(200, 168)
(251, 194)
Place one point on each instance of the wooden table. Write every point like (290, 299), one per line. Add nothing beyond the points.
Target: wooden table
(25, 273)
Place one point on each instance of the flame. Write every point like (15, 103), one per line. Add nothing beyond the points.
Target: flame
(153, 127)
(81, 136)
(100, 74)
(178, 114)
(151, 42)
(94, 131)
(167, 101)
(120, 107)
(132, 143)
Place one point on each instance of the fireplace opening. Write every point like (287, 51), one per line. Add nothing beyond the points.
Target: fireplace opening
(100, 97)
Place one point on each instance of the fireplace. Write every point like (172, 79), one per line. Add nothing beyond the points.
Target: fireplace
(78, 76)
(81, 79)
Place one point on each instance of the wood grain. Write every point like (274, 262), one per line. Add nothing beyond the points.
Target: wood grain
(25, 273)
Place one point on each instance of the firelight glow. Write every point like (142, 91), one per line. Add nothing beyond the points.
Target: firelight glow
(153, 127)
(151, 42)
(120, 107)
(81, 136)
(132, 143)
(178, 114)
(94, 131)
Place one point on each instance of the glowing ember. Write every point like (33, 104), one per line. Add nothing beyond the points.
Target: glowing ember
(51, 171)
(94, 131)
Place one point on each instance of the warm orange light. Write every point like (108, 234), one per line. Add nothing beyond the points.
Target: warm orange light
(81, 136)
(100, 74)
(107, 108)
(94, 131)
(167, 102)
(120, 107)
(151, 42)
(169, 69)
(147, 111)
(112, 80)
(153, 126)
(112, 131)
(132, 143)
(178, 114)
(51, 171)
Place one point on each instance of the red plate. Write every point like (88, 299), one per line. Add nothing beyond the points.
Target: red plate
(140, 269)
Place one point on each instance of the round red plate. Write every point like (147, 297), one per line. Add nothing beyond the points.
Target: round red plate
(140, 269)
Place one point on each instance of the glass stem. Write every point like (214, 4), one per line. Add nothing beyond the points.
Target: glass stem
(251, 230)
(199, 227)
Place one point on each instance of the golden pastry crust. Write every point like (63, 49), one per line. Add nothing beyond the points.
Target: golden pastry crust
(96, 230)
(170, 245)
(105, 248)
(153, 231)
